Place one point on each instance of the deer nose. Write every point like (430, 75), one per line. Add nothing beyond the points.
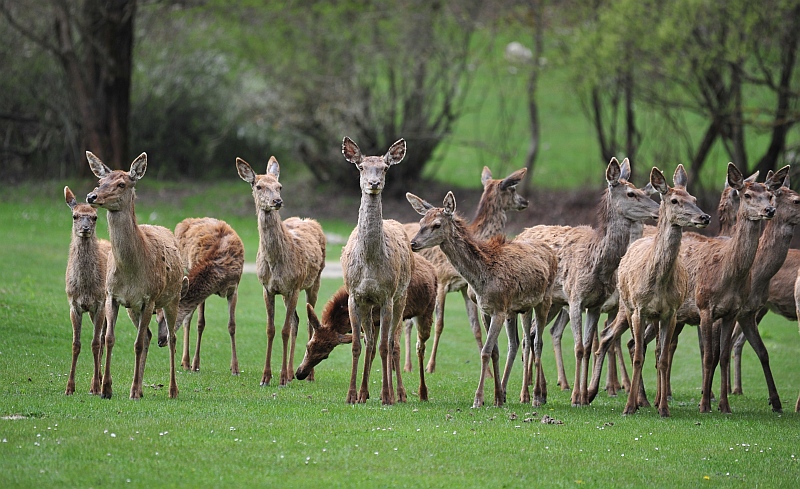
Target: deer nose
(277, 203)
(91, 198)
(375, 185)
(770, 212)
(706, 219)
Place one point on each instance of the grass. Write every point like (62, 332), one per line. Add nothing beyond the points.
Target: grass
(228, 431)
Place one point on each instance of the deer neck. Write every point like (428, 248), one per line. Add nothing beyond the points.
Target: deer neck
(84, 255)
(611, 240)
(773, 246)
(666, 246)
(273, 236)
(370, 226)
(489, 220)
(741, 249)
(466, 256)
(127, 241)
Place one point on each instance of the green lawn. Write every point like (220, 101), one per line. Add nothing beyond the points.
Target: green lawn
(227, 431)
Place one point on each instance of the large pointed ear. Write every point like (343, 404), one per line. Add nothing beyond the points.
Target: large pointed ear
(625, 170)
(351, 151)
(513, 179)
(69, 197)
(396, 152)
(658, 181)
(273, 168)
(776, 181)
(418, 204)
(735, 177)
(752, 178)
(246, 172)
(486, 176)
(98, 167)
(313, 320)
(613, 172)
(138, 167)
(648, 189)
(449, 203)
(679, 178)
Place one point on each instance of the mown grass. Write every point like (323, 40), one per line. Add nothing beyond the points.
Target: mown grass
(227, 431)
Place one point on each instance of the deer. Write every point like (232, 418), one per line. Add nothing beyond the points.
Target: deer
(653, 282)
(377, 266)
(499, 196)
(335, 329)
(145, 270)
(797, 313)
(507, 277)
(587, 263)
(290, 258)
(213, 254)
(86, 285)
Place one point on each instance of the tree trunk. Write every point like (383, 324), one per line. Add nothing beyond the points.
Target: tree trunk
(533, 107)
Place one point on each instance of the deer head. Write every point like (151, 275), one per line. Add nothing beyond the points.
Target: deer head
(630, 202)
(678, 207)
(504, 191)
(324, 338)
(787, 201)
(436, 224)
(266, 188)
(115, 190)
(373, 168)
(84, 217)
(757, 201)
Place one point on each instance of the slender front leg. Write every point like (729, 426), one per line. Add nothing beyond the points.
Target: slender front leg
(540, 387)
(355, 322)
(750, 331)
(289, 336)
(495, 323)
(706, 337)
(201, 326)
(99, 321)
(423, 325)
(77, 318)
(638, 360)
(141, 319)
(527, 319)
(311, 298)
(725, 333)
(112, 308)
(407, 325)
(592, 317)
(556, 332)
(385, 346)
(187, 326)
(576, 320)
(269, 300)
(513, 347)
(607, 338)
(232, 300)
(665, 340)
(441, 293)
(171, 314)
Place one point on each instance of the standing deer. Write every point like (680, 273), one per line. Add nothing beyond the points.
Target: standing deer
(145, 271)
(653, 283)
(499, 196)
(587, 263)
(291, 256)
(214, 256)
(508, 278)
(86, 285)
(377, 267)
(797, 313)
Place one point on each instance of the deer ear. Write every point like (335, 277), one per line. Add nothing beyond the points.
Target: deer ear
(658, 181)
(418, 204)
(246, 173)
(776, 181)
(273, 168)
(396, 152)
(752, 178)
(313, 320)
(98, 167)
(69, 197)
(351, 151)
(613, 172)
(625, 170)
(513, 179)
(648, 189)
(486, 176)
(735, 178)
(449, 203)
(679, 178)
(138, 167)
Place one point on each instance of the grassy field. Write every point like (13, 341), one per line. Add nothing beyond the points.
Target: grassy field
(228, 431)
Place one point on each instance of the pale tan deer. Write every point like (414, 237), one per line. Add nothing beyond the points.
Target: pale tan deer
(214, 256)
(145, 271)
(508, 278)
(86, 285)
(587, 263)
(377, 267)
(291, 256)
(653, 283)
(499, 196)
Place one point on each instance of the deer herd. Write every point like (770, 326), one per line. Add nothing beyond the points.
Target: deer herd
(652, 280)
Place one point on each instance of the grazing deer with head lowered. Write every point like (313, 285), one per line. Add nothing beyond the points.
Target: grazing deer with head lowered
(214, 256)
(145, 271)
(377, 267)
(86, 285)
(508, 278)
(499, 196)
(653, 283)
(587, 264)
(334, 327)
(291, 256)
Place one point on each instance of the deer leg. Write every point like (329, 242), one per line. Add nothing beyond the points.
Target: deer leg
(77, 318)
(488, 351)
(672, 347)
(355, 322)
(141, 318)
(385, 346)
(187, 326)
(626, 381)
(269, 301)
(666, 331)
(750, 331)
(540, 387)
(99, 322)
(423, 333)
(607, 338)
(394, 346)
(171, 315)
(369, 357)
(441, 293)
(289, 335)
(576, 320)
(512, 332)
(556, 332)
(725, 335)
(527, 319)
(638, 360)
(233, 298)
(112, 309)
(407, 325)
(592, 318)
(738, 344)
(706, 335)
(311, 298)
(201, 327)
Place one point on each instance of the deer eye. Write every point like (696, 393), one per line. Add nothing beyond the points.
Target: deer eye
(674, 201)
(631, 194)
(121, 185)
(94, 218)
(74, 217)
(436, 225)
(258, 187)
(746, 196)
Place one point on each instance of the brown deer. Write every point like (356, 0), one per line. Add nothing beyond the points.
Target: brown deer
(508, 278)
(291, 256)
(334, 329)
(797, 313)
(86, 285)
(653, 283)
(145, 272)
(499, 196)
(377, 267)
(587, 263)
(214, 255)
